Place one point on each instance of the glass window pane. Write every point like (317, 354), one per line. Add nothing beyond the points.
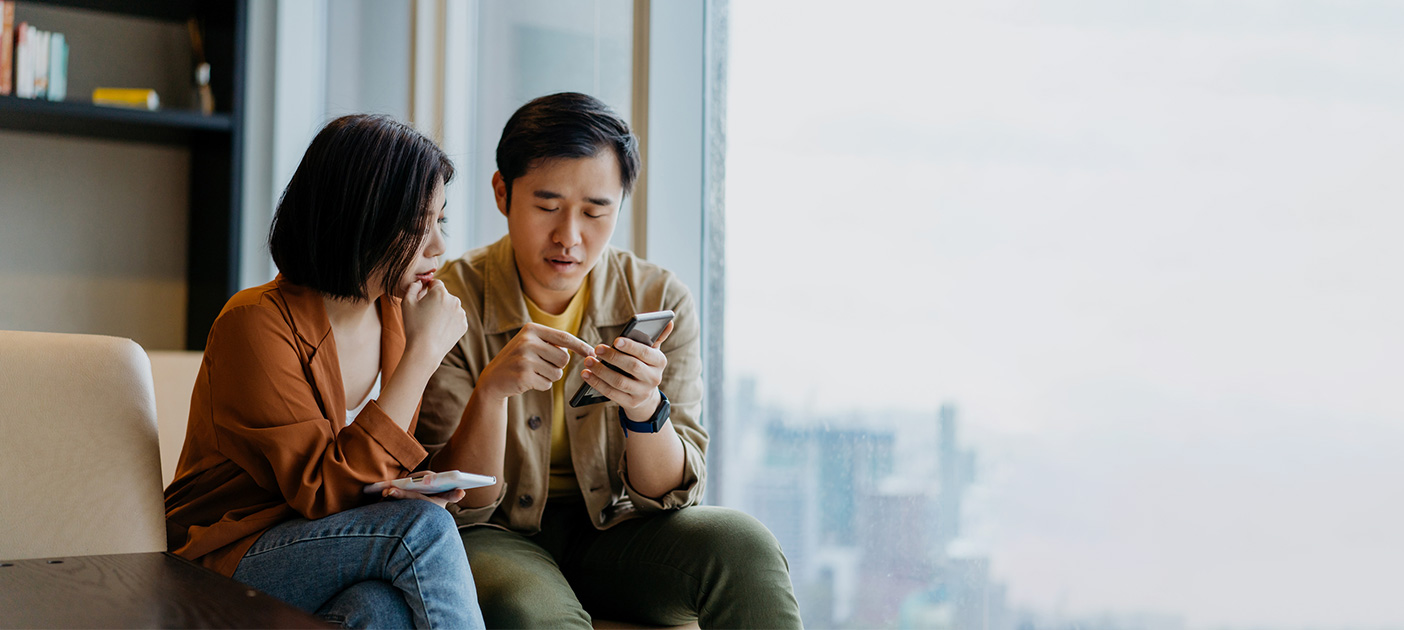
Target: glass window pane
(1082, 314)
(532, 48)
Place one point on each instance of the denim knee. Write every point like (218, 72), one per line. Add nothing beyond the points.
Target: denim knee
(369, 604)
(419, 516)
(421, 525)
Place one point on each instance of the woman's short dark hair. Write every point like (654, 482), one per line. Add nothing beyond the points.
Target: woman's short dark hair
(565, 125)
(357, 203)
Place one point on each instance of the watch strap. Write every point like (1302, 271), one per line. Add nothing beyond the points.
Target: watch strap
(655, 422)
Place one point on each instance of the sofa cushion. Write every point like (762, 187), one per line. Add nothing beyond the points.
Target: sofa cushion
(80, 462)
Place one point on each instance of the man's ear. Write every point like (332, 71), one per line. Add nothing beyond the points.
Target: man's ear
(499, 192)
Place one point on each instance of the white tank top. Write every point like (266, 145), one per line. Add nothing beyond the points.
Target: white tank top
(374, 393)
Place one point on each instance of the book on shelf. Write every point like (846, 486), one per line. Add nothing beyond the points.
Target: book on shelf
(33, 62)
(7, 47)
(40, 42)
(24, 63)
(138, 98)
(58, 67)
(34, 65)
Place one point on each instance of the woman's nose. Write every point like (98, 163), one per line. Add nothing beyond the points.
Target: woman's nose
(436, 245)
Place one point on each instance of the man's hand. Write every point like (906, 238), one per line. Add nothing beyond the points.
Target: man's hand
(534, 359)
(636, 392)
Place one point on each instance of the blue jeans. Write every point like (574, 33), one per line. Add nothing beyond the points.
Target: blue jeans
(390, 564)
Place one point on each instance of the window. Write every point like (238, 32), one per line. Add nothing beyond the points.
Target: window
(1069, 315)
(522, 50)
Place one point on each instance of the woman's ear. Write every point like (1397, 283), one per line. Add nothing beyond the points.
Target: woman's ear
(499, 192)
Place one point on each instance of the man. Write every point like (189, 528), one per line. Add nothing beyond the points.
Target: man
(587, 514)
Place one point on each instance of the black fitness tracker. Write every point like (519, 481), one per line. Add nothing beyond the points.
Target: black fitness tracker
(654, 424)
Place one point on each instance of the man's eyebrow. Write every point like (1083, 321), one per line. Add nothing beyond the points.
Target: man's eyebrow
(549, 194)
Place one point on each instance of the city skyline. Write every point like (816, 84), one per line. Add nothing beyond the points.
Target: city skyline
(875, 537)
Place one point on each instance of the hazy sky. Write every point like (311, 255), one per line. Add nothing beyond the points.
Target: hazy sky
(1152, 249)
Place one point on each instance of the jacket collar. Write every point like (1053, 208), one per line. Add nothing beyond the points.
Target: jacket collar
(611, 299)
(307, 315)
(306, 312)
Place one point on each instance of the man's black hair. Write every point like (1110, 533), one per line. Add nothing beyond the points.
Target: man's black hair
(359, 202)
(565, 125)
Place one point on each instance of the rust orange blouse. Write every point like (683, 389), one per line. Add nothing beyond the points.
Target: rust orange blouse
(267, 439)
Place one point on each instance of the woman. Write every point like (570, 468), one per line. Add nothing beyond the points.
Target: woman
(309, 391)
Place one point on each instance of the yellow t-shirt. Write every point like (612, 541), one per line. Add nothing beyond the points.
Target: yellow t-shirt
(563, 481)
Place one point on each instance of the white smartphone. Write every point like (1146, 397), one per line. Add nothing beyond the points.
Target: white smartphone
(425, 483)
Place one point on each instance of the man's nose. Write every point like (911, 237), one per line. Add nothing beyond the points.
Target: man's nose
(567, 233)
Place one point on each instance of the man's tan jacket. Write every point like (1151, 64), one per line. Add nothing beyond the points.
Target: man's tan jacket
(621, 285)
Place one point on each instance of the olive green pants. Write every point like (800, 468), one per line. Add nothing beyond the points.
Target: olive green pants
(717, 566)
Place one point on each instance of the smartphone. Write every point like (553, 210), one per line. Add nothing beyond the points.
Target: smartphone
(441, 482)
(643, 328)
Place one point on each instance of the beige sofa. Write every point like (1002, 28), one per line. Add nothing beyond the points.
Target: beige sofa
(84, 460)
(173, 373)
(79, 456)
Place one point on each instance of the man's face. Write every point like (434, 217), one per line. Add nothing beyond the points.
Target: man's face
(562, 216)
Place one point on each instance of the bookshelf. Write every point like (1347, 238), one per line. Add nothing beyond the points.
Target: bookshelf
(215, 143)
(93, 121)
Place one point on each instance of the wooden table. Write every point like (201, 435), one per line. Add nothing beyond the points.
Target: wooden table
(134, 590)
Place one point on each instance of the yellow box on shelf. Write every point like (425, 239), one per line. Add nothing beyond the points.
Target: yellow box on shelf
(137, 98)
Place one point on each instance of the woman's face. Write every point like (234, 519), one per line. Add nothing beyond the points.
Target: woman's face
(426, 259)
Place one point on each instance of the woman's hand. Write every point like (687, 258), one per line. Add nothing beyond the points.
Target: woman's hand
(441, 499)
(434, 320)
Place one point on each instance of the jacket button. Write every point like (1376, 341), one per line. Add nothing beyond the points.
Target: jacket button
(524, 500)
(534, 423)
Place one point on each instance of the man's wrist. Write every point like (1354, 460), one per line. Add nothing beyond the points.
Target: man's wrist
(485, 394)
(645, 411)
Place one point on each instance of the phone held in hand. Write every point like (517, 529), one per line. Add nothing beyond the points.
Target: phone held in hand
(424, 483)
(643, 328)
